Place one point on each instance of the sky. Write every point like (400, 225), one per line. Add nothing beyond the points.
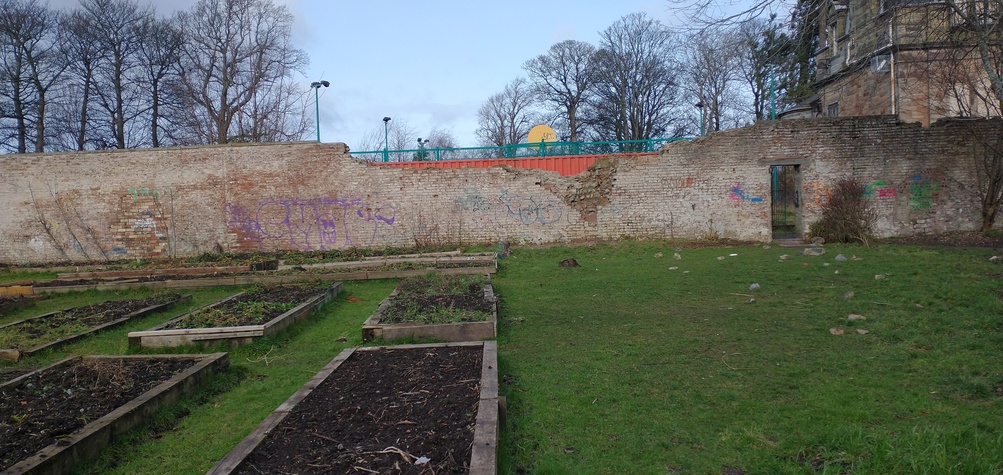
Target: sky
(432, 63)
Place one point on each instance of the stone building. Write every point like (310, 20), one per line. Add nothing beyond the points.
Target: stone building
(917, 59)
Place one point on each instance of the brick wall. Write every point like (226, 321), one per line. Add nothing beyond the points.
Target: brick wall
(309, 196)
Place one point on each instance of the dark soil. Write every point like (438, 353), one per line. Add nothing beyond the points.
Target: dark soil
(60, 401)
(254, 307)
(378, 413)
(11, 304)
(61, 324)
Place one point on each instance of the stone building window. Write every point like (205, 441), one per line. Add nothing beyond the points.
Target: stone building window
(832, 110)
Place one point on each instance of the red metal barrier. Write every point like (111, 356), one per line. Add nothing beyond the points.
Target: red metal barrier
(565, 165)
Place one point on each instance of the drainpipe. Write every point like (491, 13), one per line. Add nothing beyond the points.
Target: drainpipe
(891, 55)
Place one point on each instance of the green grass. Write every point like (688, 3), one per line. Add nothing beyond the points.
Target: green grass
(622, 365)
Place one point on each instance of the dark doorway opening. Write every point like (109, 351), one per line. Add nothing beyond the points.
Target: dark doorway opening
(785, 201)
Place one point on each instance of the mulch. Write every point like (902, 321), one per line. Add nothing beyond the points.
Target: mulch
(388, 411)
(59, 401)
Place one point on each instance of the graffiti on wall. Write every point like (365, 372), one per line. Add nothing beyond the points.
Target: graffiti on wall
(310, 224)
(880, 189)
(472, 201)
(922, 191)
(527, 209)
(531, 209)
(137, 192)
(816, 193)
(738, 195)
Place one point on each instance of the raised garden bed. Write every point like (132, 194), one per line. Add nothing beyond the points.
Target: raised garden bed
(365, 270)
(31, 335)
(240, 318)
(445, 308)
(402, 409)
(53, 418)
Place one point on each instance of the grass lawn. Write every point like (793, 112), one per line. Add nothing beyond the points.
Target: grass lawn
(623, 365)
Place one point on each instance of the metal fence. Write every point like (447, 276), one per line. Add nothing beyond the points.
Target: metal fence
(522, 150)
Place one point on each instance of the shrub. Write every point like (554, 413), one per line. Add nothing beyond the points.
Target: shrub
(847, 216)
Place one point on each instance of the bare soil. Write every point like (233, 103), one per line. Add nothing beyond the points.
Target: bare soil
(59, 401)
(381, 411)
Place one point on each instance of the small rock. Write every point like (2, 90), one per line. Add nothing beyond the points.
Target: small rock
(754, 286)
(848, 295)
(720, 258)
(686, 272)
(568, 263)
(766, 246)
(784, 257)
(569, 450)
(732, 255)
(836, 331)
(995, 258)
(840, 258)
(837, 271)
(879, 276)
(678, 249)
(752, 300)
(422, 460)
(818, 240)
(342, 340)
(855, 258)
(861, 331)
(825, 264)
(813, 251)
(673, 268)
(658, 255)
(853, 317)
(676, 256)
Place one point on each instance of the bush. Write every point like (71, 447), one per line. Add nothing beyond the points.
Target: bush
(847, 216)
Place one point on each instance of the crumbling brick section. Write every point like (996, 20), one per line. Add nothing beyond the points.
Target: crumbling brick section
(591, 189)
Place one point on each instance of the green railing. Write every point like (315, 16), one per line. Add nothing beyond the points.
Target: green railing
(522, 150)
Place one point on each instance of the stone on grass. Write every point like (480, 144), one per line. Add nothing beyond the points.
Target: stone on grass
(754, 286)
(853, 317)
(813, 251)
(848, 295)
(861, 331)
(658, 255)
(720, 258)
(676, 256)
(836, 331)
(784, 257)
(879, 276)
(840, 258)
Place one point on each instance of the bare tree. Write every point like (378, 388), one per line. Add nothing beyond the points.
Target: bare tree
(118, 86)
(564, 79)
(506, 117)
(637, 88)
(235, 69)
(31, 64)
(159, 51)
(712, 67)
(84, 54)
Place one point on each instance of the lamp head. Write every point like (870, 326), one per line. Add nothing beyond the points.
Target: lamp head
(386, 119)
(325, 83)
(315, 84)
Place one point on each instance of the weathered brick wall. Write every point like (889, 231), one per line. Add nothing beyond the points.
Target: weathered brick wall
(308, 196)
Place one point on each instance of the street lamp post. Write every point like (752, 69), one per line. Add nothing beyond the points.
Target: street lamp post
(316, 101)
(386, 139)
(699, 105)
(421, 149)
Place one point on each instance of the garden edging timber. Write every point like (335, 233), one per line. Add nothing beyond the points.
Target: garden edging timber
(87, 442)
(372, 329)
(486, 431)
(161, 336)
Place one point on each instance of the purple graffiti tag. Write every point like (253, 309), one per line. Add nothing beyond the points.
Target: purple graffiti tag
(737, 194)
(307, 224)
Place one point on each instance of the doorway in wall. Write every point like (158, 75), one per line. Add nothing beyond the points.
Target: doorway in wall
(785, 200)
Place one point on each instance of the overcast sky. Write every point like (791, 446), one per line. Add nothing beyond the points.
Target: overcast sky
(431, 63)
